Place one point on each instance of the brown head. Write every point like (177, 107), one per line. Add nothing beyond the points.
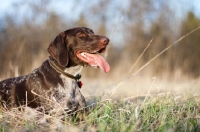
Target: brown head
(79, 46)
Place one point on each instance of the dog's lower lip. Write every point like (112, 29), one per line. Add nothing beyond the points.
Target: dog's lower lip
(102, 50)
(93, 52)
(99, 51)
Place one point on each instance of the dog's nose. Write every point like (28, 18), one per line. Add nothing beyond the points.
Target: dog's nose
(104, 40)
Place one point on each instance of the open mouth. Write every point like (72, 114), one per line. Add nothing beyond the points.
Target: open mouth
(94, 59)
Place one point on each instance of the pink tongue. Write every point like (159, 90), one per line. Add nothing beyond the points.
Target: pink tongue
(96, 59)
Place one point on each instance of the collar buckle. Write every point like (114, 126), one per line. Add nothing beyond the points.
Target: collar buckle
(78, 76)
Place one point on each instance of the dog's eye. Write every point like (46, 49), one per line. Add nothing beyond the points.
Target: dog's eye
(81, 34)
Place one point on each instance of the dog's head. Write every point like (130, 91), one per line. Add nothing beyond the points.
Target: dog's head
(79, 46)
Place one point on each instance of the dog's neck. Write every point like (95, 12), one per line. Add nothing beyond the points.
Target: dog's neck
(71, 72)
(74, 70)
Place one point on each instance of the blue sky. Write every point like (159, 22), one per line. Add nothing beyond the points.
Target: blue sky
(67, 7)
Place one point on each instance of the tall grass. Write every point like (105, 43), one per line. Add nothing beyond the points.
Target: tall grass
(159, 113)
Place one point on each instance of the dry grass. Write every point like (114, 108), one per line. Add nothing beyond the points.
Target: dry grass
(157, 112)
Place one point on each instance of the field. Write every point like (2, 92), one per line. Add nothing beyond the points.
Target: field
(159, 107)
(154, 51)
(130, 101)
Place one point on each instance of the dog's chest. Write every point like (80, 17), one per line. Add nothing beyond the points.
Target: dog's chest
(69, 87)
(62, 91)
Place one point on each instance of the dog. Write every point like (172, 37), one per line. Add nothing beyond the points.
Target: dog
(57, 81)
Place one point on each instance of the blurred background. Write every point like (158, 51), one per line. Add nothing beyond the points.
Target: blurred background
(27, 27)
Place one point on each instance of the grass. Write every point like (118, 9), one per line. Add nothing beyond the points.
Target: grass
(159, 113)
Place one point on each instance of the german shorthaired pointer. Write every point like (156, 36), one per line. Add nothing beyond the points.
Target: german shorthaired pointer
(56, 81)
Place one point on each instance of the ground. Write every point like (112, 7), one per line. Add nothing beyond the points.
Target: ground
(134, 104)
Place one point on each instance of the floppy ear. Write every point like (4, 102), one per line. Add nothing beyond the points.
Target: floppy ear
(58, 49)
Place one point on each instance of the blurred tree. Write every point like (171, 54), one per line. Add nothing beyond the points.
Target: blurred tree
(23, 43)
(160, 31)
(188, 52)
(134, 31)
(82, 21)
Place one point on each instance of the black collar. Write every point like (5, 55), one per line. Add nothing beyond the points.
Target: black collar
(59, 70)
